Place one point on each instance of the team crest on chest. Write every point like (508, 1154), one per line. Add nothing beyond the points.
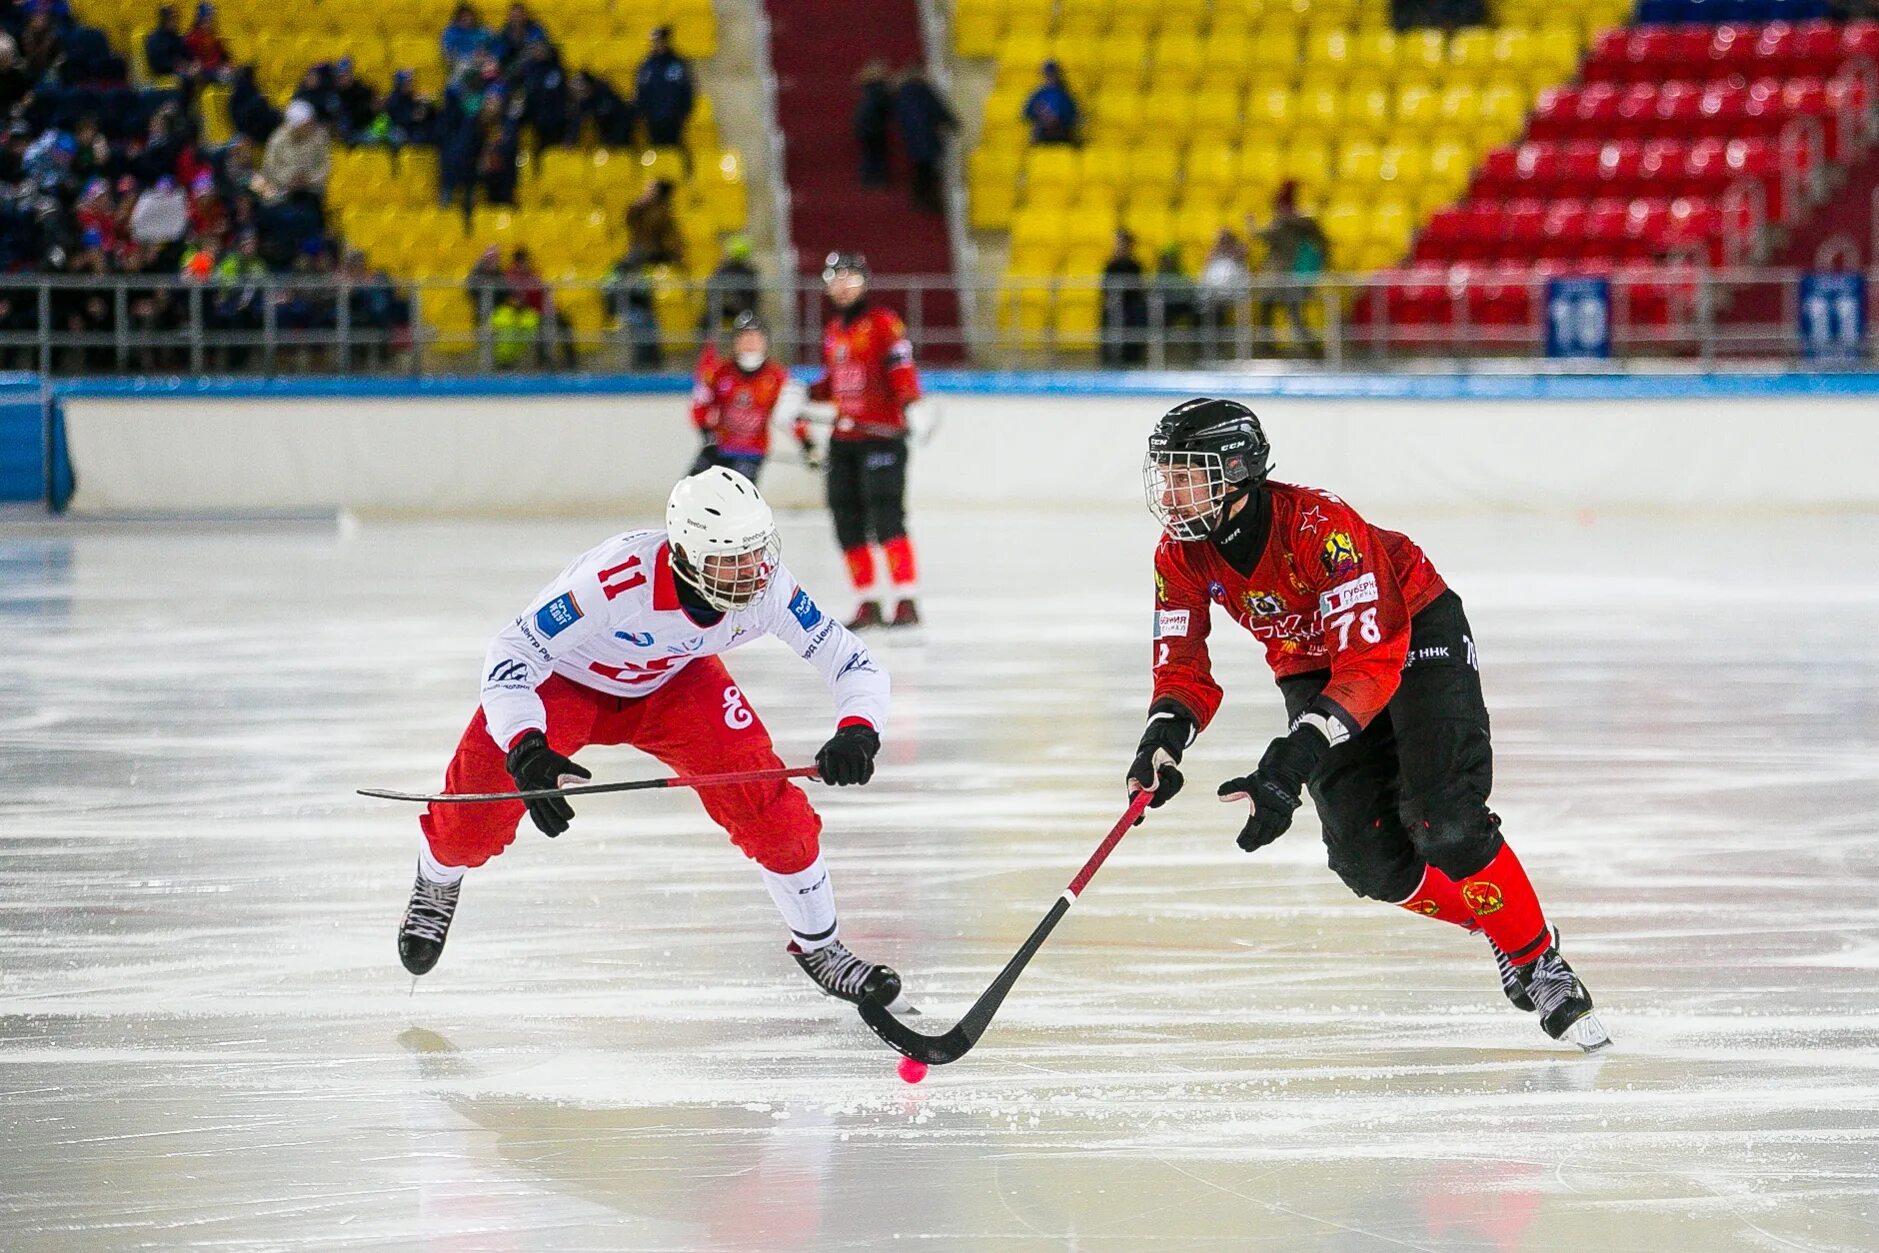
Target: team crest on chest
(1261, 604)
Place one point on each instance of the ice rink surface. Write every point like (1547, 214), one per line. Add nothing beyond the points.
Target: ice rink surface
(206, 1041)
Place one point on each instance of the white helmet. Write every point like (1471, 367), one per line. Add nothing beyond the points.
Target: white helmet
(723, 537)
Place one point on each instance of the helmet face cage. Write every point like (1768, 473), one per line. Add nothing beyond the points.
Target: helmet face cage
(733, 578)
(1185, 490)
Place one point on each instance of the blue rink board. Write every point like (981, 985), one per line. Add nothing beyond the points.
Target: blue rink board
(1572, 386)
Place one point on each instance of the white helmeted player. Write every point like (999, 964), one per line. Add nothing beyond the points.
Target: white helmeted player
(622, 648)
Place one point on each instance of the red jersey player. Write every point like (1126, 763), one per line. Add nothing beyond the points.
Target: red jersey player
(870, 378)
(735, 400)
(1376, 662)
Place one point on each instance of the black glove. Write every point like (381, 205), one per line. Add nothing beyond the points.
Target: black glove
(848, 757)
(533, 765)
(1170, 731)
(1274, 787)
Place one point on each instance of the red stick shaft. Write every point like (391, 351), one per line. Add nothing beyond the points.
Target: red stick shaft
(1090, 867)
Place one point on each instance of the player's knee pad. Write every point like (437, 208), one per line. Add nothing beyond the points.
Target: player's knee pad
(1459, 844)
(1375, 861)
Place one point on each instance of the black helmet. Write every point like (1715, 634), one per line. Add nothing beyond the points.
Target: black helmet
(748, 320)
(839, 261)
(1202, 454)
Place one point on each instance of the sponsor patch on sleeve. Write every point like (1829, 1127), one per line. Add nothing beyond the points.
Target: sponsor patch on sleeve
(804, 610)
(1347, 596)
(557, 615)
(1170, 622)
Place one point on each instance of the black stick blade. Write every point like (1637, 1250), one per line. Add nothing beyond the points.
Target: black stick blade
(933, 1050)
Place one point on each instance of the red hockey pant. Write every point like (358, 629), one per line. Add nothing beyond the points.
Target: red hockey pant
(698, 723)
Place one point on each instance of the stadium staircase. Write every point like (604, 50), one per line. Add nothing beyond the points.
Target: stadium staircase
(818, 47)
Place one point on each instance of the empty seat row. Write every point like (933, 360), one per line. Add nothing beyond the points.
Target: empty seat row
(1655, 53)
(1722, 109)
(1633, 167)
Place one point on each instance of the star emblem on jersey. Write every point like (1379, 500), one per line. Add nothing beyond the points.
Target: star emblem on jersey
(1310, 520)
(1339, 554)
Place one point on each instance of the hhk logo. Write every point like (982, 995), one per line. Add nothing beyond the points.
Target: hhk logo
(1482, 898)
(1424, 906)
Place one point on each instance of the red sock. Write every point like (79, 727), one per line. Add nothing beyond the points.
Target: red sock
(1437, 897)
(861, 567)
(900, 565)
(1505, 907)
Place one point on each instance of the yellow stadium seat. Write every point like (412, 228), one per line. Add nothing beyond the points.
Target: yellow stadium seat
(1503, 113)
(1182, 15)
(1196, 224)
(1177, 58)
(1154, 173)
(1092, 225)
(1418, 108)
(1052, 198)
(1270, 110)
(1320, 111)
(1120, 61)
(1052, 165)
(1392, 222)
(1368, 111)
(1168, 115)
(1262, 164)
(1359, 161)
(1403, 164)
(991, 206)
(1346, 225)
(1273, 56)
(1218, 113)
(1461, 107)
(1037, 230)
(1450, 165)
(1225, 49)
(1556, 52)
(1095, 198)
(1119, 116)
(1373, 55)
(1150, 223)
(976, 35)
(1328, 49)
(1212, 169)
(1470, 55)
(1513, 52)
(1308, 163)
(1422, 53)
(1106, 164)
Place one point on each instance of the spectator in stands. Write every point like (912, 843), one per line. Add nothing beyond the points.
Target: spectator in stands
(496, 151)
(1125, 305)
(1052, 110)
(1296, 250)
(249, 110)
(874, 114)
(518, 32)
(205, 43)
(292, 186)
(526, 282)
(732, 288)
(924, 118)
(464, 38)
(354, 103)
(163, 147)
(375, 309)
(166, 54)
(404, 116)
(664, 92)
(514, 331)
(1173, 292)
(40, 47)
(199, 259)
(85, 310)
(15, 79)
(485, 285)
(91, 155)
(1225, 282)
(629, 300)
(97, 213)
(208, 214)
(543, 85)
(592, 98)
(652, 230)
(161, 219)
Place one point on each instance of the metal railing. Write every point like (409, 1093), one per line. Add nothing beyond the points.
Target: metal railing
(294, 324)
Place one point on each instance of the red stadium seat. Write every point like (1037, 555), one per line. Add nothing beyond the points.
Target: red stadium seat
(1815, 49)
(1733, 49)
(1579, 165)
(1563, 234)
(1860, 38)
(1621, 168)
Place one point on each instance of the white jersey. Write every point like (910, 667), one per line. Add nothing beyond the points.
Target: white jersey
(612, 621)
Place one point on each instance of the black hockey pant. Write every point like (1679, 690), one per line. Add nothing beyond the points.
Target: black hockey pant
(1412, 788)
(868, 490)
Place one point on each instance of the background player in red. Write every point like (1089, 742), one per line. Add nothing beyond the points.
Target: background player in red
(870, 378)
(1376, 662)
(735, 399)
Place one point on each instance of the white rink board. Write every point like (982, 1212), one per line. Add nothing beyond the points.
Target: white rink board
(607, 454)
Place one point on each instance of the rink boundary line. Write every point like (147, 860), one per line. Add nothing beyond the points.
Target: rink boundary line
(1033, 383)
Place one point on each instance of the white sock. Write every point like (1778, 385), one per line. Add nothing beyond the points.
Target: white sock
(806, 900)
(434, 870)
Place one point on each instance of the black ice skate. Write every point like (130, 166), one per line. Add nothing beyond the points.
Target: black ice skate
(427, 923)
(868, 615)
(1564, 1005)
(840, 974)
(905, 615)
(1511, 982)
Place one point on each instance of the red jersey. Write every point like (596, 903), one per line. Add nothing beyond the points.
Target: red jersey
(737, 407)
(870, 375)
(1328, 592)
